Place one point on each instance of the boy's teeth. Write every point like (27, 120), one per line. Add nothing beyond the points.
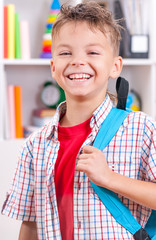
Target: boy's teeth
(79, 76)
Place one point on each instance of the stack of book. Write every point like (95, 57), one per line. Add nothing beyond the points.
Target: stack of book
(16, 35)
(40, 117)
(47, 39)
(11, 109)
(13, 122)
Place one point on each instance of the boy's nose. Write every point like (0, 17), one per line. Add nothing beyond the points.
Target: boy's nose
(77, 61)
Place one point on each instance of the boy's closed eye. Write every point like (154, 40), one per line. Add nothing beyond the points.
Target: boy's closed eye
(64, 53)
(93, 53)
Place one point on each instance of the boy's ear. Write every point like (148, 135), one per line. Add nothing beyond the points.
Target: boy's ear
(117, 67)
(52, 68)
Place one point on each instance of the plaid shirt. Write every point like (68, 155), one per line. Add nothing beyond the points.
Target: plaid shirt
(131, 152)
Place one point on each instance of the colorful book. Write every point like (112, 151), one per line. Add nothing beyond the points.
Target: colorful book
(11, 31)
(17, 37)
(1, 106)
(11, 107)
(25, 40)
(5, 30)
(6, 110)
(18, 111)
(42, 116)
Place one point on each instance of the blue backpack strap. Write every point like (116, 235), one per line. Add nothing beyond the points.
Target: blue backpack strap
(151, 225)
(118, 210)
(109, 127)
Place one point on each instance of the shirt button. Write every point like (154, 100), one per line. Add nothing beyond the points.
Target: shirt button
(51, 165)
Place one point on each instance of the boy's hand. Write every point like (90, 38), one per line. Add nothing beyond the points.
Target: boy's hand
(93, 162)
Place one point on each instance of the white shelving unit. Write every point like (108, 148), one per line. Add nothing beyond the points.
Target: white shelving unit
(32, 61)
(32, 73)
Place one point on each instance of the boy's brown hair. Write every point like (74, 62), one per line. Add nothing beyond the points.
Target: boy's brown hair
(95, 15)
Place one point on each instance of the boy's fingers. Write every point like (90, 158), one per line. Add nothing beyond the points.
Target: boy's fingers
(81, 166)
(83, 156)
(88, 149)
(82, 162)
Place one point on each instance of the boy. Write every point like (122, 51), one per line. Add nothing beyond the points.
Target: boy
(52, 197)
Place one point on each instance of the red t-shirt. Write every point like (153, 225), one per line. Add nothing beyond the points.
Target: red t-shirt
(71, 140)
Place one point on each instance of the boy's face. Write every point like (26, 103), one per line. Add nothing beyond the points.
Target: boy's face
(83, 61)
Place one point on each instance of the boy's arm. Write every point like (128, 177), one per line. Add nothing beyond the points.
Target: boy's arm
(28, 231)
(94, 164)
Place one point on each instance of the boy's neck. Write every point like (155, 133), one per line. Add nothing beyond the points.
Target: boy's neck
(78, 112)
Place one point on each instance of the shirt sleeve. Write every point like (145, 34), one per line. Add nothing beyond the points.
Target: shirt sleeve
(149, 151)
(19, 203)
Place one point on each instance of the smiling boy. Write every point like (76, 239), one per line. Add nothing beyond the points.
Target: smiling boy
(83, 60)
(51, 191)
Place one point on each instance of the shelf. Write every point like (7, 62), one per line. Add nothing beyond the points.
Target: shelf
(33, 61)
(39, 61)
(137, 62)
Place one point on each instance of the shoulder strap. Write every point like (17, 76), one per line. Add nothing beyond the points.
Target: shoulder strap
(109, 127)
(118, 210)
(122, 88)
(151, 225)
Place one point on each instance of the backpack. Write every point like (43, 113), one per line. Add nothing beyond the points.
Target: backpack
(111, 201)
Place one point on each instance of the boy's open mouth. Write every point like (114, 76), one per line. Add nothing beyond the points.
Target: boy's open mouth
(79, 76)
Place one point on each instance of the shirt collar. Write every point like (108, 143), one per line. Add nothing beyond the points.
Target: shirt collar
(99, 116)
(101, 112)
(53, 124)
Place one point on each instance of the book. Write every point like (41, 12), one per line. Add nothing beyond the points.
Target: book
(2, 106)
(42, 116)
(17, 37)
(135, 39)
(11, 107)
(125, 42)
(136, 15)
(18, 111)
(4, 123)
(5, 30)
(11, 30)
(145, 9)
(6, 110)
(25, 40)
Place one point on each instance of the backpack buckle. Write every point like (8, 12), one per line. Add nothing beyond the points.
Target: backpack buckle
(141, 234)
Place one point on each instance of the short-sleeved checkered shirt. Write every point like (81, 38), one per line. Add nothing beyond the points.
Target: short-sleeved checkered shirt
(131, 152)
